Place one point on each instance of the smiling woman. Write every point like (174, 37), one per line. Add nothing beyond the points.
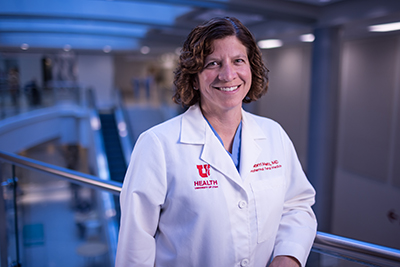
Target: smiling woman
(216, 186)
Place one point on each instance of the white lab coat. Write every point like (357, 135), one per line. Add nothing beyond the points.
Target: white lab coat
(185, 204)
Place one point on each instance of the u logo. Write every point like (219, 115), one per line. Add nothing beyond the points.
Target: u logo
(204, 170)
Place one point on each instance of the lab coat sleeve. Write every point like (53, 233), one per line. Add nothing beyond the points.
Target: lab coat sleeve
(298, 225)
(142, 196)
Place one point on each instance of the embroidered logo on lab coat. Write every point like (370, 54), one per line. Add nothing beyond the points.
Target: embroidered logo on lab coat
(266, 166)
(204, 170)
(206, 182)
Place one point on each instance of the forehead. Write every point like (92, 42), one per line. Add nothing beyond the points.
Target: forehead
(229, 45)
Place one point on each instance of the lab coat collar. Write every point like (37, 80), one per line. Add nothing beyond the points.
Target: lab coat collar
(195, 130)
(193, 126)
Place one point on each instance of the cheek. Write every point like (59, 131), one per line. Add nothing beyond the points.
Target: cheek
(246, 76)
(206, 79)
(249, 79)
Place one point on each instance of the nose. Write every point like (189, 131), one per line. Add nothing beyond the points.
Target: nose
(227, 72)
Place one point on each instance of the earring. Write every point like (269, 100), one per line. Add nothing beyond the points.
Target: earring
(194, 87)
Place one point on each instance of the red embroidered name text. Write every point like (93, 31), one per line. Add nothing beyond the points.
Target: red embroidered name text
(266, 166)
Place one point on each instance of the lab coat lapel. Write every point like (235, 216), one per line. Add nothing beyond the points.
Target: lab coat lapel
(195, 130)
(215, 154)
(250, 150)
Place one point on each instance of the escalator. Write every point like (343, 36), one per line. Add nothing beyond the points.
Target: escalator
(113, 148)
(114, 153)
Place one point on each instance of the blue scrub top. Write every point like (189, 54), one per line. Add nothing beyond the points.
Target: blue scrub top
(237, 142)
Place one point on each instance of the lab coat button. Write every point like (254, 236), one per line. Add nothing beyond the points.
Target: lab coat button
(244, 262)
(242, 204)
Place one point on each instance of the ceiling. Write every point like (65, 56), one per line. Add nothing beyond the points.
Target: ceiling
(125, 26)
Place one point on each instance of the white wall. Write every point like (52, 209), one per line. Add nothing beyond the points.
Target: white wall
(30, 68)
(97, 72)
(126, 70)
(367, 180)
(287, 98)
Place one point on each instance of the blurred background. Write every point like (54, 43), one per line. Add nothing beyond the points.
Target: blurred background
(70, 70)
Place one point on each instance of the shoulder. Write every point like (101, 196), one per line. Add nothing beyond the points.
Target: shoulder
(262, 120)
(266, 128)
(172, 128)
(266, 124)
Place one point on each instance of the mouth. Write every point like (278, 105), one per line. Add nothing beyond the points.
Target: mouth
(228, 89)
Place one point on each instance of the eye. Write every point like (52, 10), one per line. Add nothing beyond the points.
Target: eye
(211, 64)
(240, 60)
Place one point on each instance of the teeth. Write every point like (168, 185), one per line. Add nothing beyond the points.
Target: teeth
(228, 89)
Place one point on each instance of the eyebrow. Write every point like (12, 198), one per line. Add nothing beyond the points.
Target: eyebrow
(212, 58)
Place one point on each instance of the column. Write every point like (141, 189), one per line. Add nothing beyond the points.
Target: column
(324, 106)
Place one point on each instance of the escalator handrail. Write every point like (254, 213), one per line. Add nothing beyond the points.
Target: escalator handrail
(122, 118)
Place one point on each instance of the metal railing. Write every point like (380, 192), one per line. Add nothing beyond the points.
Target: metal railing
(333, 245)
(355, 250)
(72, 176)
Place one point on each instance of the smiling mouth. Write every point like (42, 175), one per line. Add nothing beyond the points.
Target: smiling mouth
(228, 89)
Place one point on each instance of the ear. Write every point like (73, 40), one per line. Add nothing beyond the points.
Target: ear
(196, 84)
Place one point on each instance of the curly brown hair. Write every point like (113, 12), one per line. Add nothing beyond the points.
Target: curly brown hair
(198, 46)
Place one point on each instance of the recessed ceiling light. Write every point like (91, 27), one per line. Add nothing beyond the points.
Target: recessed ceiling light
(309, 37)
(387, 27)
(107, 49)
(24, 46)
(145, 50)
(270, 43)
(67, 47)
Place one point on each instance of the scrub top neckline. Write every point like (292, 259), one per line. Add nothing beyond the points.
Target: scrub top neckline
(237, 140)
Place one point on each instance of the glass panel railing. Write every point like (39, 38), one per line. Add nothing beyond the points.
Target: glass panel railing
(319, 259)
(59, 223)
(55, 222)
(9, 253)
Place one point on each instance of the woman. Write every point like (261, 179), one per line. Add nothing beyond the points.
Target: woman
(216, 186)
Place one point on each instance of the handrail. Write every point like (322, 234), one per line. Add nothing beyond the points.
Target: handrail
(356, 250)
(123, 122)
(338, 246)
(74, 176)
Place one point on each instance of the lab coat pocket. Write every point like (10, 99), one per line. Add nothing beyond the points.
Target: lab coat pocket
(269, 198)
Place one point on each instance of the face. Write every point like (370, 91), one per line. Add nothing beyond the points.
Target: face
(226, 77)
